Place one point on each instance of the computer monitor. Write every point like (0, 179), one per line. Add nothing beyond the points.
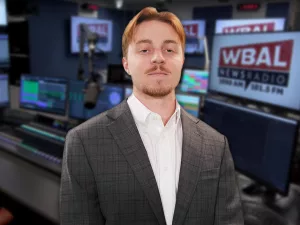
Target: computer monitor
(194, 81)
(4, 51)
(194, 30)
(4, 91)
(262, 145)
(3, 13)
(191, 103)
(110, 96)
(45, 94)
(260, 67)
(103, 28)
(249, 25)
(116, 74)
(128, 91)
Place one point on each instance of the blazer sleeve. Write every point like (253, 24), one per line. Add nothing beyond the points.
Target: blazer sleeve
(78, 193)
(228, 205)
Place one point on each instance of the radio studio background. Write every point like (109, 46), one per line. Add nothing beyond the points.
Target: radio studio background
(240, 76)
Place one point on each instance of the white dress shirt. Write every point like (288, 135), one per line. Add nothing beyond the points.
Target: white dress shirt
(164, 147)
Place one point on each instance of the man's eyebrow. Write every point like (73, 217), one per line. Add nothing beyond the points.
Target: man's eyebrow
(148, 41)
(170, 42)
(144, 41)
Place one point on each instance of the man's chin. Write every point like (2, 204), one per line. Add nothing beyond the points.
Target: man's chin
(157, 92)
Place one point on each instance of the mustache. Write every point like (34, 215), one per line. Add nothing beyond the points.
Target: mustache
(155, 68)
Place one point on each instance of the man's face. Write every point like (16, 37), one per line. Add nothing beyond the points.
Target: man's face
(154, 59)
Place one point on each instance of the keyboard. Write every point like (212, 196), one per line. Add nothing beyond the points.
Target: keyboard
(44, 132)
(48, 129)
(38, 151)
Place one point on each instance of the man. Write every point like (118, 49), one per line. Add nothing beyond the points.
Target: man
(147, 161)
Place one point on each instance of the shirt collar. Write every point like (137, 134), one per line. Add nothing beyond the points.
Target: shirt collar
(140, 112)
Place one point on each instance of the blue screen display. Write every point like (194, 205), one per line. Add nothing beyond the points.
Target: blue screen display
(110, 96)
(4, 90)
(190, 103)
(47, 94)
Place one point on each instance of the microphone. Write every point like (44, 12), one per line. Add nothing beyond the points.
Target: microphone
(91, 92)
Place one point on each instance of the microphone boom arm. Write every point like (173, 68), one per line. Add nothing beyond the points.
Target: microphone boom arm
(92, 39)
(93, 83)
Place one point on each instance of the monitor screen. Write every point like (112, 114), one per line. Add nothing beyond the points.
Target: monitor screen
(191, 103)
(194, 31)
(128, 91)
(262, 145)
(249, 25)
(3, 13)
(45, 94)
(262, 67)
(103, 28)
(4, 52)
(111, 96)
(4, 90)
(194, 81)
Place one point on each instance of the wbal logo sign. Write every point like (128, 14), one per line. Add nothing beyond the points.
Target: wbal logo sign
(260, 27)
(191, 30)
(98, 28)
(266, 64)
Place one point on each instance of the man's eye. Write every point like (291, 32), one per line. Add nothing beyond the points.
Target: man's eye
(170, 50)
(144, 51)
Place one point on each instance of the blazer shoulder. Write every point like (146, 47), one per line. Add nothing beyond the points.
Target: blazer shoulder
(91, 125)
(209, 132)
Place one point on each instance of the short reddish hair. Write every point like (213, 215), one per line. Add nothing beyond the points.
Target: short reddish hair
(148, 14)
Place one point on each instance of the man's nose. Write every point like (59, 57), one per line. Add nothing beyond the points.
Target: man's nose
(158, 57)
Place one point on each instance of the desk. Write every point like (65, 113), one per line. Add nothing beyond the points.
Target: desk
(31, 185)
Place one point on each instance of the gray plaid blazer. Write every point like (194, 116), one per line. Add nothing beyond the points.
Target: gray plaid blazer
(107, 177)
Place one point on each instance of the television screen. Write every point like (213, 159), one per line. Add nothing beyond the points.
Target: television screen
(111, 96)
(249, 25)
(194, 30)
(3, 13)
(191, 103)
(4, 51)
(262, 67)
(4, 90)
(103, 28)
(45, 94)
(262, 145)
(194, 81)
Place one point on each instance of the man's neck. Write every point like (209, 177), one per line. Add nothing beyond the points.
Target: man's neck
(164, 106)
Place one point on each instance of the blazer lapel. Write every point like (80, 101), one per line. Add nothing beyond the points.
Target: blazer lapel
(192, 150)
(127, 137)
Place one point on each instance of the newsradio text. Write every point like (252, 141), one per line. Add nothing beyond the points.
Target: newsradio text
(261, 67)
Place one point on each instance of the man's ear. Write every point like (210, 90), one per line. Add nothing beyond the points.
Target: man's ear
(125, 65)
